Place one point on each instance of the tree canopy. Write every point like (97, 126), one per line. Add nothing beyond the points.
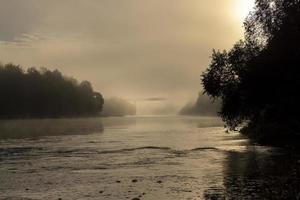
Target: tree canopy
(258, 79)
(44, 93)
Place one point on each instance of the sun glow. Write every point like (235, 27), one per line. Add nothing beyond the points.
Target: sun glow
(243, 7)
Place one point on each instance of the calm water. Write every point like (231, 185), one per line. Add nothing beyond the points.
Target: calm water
(140, 157)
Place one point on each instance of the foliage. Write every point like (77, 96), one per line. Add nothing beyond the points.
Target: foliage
(44, 93)
(258, 80)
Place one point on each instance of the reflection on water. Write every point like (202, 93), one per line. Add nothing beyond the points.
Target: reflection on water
(257, 174)
(140, 157)
(34, 128)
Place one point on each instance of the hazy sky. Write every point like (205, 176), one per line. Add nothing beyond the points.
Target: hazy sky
(129, 48)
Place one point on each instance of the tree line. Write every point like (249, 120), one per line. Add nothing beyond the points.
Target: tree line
(203, 107)
(118, 107)
(258, 80)
(36, 93)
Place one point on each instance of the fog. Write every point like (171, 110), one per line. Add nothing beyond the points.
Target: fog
(133, 49)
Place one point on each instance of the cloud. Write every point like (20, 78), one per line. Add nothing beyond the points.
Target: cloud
(23, 40)
(154, 99)
(18, 18)
(131, 48)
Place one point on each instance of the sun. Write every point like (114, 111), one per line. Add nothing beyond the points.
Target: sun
(243, 7)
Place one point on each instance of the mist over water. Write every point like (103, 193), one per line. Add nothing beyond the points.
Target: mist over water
(117, 100)
(154, 157)
(36, 128)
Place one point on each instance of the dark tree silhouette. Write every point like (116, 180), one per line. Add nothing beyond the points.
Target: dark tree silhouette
(44, 93)
(258, 80)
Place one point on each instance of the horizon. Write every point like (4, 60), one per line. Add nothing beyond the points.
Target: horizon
(133, 50)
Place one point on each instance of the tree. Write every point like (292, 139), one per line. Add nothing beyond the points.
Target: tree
(258, 79)
(44, 93)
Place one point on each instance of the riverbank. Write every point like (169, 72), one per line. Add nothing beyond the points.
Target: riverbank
(273, 134)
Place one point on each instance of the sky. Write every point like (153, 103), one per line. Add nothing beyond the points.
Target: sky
(135, 49)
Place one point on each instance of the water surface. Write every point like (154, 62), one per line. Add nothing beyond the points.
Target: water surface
(150, 157)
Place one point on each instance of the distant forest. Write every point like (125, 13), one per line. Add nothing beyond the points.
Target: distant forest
(40, 93)
(118, 107)
(203, 106)
(258, 80)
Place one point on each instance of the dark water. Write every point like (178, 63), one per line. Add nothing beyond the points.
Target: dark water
(144, 157)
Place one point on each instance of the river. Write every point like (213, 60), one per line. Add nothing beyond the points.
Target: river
(144, 157)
